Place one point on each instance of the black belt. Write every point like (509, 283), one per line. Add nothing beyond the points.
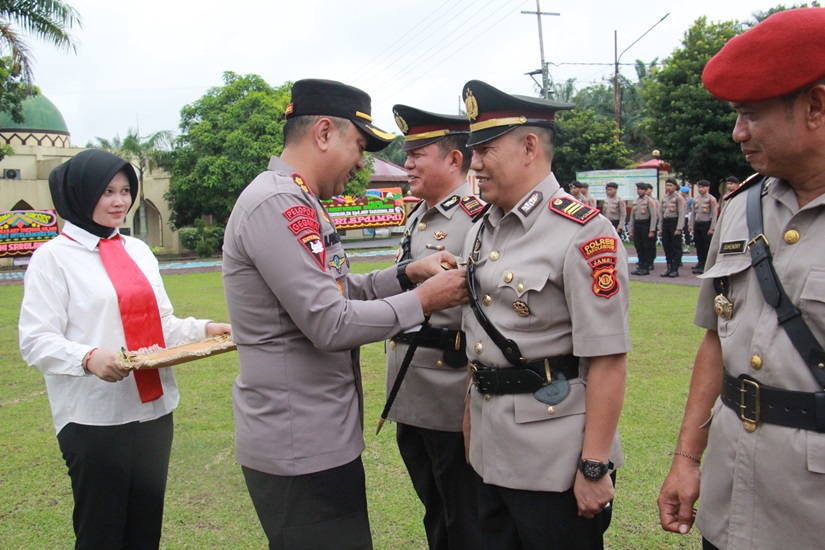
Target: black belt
(756, 403)
(525, 379)
(452, 342)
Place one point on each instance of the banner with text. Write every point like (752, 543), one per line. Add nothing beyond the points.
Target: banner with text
(379, 208)
(22, 231)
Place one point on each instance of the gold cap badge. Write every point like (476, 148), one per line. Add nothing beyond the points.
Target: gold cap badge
(471, 104)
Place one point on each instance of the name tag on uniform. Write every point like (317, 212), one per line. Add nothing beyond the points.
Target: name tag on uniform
(733, 247)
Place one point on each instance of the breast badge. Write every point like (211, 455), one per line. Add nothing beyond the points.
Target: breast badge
(723, 307)
(521, 308)
(605, 284)
(439, 235)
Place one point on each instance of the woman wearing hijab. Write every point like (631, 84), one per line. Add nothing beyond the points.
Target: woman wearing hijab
(88, 293)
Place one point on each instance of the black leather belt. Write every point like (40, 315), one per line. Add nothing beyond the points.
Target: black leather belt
(452, 342)
(755, 403)
(526, 379)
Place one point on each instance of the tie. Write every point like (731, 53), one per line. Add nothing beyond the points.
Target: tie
(138, 310)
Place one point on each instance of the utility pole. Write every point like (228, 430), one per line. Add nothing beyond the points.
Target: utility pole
(545, 77)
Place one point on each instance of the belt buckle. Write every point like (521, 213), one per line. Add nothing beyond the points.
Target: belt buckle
(748, 423)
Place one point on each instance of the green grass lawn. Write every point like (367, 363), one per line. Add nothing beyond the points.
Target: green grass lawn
(207, 504)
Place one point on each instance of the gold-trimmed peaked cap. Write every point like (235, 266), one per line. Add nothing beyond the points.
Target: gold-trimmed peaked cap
(314, 96)
(493, 113)
(422, 128)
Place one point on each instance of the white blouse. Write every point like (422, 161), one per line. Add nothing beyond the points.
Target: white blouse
(69, 307)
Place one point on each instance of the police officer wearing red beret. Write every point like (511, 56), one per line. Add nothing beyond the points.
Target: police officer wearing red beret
(756, 408)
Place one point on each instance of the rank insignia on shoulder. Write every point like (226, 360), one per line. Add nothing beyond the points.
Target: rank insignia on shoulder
(528, 205)
(315, 246)
(472, 205)
(299, 181)
(598, 245)
(605, 283)
(450, 202)
(733, 247)
(573, 209)
(300, 212)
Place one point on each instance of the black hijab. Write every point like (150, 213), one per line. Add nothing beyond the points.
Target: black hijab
(78, 184)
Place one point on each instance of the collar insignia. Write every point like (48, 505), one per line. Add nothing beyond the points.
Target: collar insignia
(527, 206)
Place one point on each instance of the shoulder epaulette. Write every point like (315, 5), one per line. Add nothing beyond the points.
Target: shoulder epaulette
(745, 184)
(481, 212)
(472, 205)
(573, 209)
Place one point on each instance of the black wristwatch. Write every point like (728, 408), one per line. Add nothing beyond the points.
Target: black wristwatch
(593, 470)
(401, 273)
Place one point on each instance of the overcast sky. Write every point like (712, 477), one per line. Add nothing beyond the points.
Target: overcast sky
(140, 61)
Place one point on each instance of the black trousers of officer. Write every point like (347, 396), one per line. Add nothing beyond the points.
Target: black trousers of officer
(702, 240)
(535, 520)
(323, 510)
(641, 230)
(118, 478)
(670, 242)
(445, 483)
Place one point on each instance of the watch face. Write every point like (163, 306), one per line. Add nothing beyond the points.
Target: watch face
(592, 469)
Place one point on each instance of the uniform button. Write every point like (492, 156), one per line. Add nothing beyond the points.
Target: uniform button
(422, 226)
(392, 344)
(509, 277)
(494, 255)
(487, 397)
(551, 410)
(520, 287)
(756, 362)
(479, 348)
(439, 364)
(487, 300)
(792, 236)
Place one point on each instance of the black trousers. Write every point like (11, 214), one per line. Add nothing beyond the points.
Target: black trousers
(118, 478)
(533, 520)
(445, 483)
(642, 242)
(322, 510)
(702, 240)
(670, 242)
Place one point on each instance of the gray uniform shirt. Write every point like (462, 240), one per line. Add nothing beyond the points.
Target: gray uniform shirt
(572, 277)
(432, 393)
(704, 210)
(297, 314)
(614, 209)
(673, 206)
(765, 489)
(644, 209)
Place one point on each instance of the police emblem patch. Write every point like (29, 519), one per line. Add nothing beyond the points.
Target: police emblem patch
(605, 284)
(315, 246)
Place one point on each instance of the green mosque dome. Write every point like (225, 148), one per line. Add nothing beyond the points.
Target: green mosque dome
(39, 114)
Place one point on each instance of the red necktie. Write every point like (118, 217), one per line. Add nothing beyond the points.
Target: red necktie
(138, 310)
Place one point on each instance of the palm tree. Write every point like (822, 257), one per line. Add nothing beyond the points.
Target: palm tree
(48, 20)
(145, 153)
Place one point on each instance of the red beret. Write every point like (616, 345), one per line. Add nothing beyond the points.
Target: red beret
(780, 55)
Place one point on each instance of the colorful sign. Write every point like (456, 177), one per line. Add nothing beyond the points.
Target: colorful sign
(23, 231)
(379, 208)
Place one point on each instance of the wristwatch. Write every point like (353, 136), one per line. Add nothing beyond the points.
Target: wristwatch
(401, 273)
(593, 470)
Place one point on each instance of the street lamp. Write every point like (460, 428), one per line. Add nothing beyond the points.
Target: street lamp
(616, 59)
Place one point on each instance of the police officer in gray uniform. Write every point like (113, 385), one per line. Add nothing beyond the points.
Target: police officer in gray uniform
(643, 229)
(298, 317)
(614, 207)
(429, 407)
(673, 221)
(756, 407)
(547, 336)
(703, 223)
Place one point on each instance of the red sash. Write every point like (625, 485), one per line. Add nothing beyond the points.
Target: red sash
(138, 310)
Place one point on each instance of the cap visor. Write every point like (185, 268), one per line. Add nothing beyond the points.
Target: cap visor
(481, 136)
(377, 138)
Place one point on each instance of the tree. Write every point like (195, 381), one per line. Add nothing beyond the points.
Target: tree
(691, 127)
(586, 142)
(226, 139)
(393, 153)
(146, 154)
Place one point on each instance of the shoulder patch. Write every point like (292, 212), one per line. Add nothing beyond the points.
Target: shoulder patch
(315, 246)
(605, 282)
(300, 211)
(449, 202)
(598, 245)
(302, 224)
(472, 205)
(573, 210)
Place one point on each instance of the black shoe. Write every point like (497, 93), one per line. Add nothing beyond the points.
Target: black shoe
(640, 271)
(666, 273)
(697, 270)
(673, 273)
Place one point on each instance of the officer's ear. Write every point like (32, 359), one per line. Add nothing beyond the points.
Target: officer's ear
(456, 159)
(530, 146)
(322, 132)
(815, 103)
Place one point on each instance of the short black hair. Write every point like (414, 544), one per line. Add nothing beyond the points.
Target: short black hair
(296, 127)
(456, 142)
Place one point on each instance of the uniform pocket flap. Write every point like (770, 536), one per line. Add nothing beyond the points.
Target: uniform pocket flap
(816, 452)
(814, 288)
(530, 409)
(725, 267)
(523, 281)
